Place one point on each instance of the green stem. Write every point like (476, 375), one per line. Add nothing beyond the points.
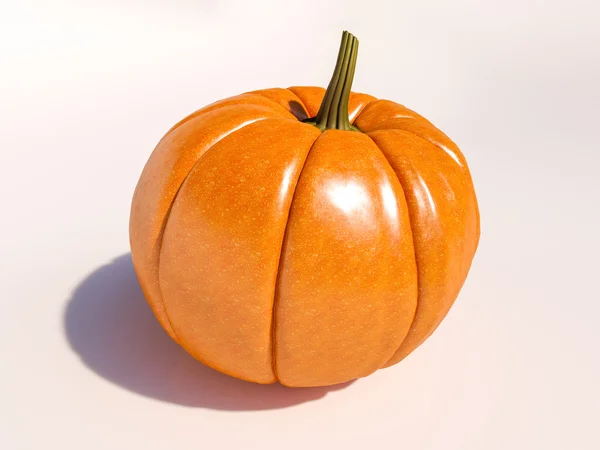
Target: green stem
(333, 113)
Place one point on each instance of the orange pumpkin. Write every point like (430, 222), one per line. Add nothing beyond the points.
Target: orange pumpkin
(303, 235)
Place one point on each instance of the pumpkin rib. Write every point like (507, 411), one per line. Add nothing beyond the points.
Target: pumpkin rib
(273, 93)
(412, 234)
(299, 101)
(370, 294)
(278, 274)
(456, 158)
(232, 101)
(400, 114)
(197, 343)
(361, 108)
(453, 153)
(158, 244)
(444, 148)
(302, 93)
(441, 313)
(161, 177)
(159, 240)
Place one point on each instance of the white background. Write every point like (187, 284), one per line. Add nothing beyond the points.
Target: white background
(87, 88)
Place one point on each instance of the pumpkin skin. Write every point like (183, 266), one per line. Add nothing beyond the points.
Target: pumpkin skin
(272, 251)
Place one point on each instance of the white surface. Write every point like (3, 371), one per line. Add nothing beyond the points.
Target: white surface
(88, 88)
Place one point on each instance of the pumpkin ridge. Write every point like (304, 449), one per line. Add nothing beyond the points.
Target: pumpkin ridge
(415, 115)
(411, 226)
(278, 109)
(277, 106)
(458, 158)
(360, 110)
(434, 147)
(297, 99)
(278, 274)
(296, 90)
(159, 239)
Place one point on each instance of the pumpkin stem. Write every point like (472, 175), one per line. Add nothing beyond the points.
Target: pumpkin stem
(333, 113)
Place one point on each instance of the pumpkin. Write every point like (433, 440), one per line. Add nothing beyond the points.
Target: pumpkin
(303, 235)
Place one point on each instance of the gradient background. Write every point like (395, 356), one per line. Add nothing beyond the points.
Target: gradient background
(87, 88)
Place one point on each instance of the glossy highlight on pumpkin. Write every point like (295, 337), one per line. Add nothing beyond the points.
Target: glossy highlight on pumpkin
(274, 250)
